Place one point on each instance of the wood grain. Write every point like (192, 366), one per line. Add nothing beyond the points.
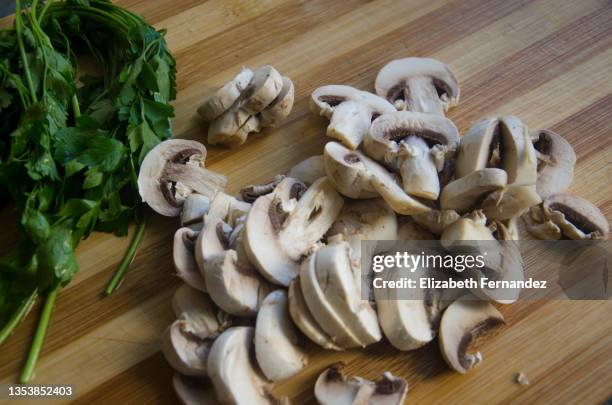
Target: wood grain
(546, 61)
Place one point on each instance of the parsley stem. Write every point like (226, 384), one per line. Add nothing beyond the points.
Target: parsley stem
(39, 337)
(127, 259)
(24, 59)
(18, 315)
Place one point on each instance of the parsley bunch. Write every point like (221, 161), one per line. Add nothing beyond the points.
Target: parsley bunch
(70, 149)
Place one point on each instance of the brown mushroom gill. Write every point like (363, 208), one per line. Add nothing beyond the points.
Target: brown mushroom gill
(543, 146)
(401, 91)
(468, 338)
(333, 101)
(432, 138)
(580, 221)
(167, 186)
(277, 214)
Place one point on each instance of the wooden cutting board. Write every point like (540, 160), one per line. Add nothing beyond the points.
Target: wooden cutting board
(546, 61)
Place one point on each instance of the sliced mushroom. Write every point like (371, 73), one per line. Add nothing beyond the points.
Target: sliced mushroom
(576, 217)
(409, 229)
(309, 170)
(469, 228)
(277, 346)
(225, 97)
(232, 282)
(330, 281)
(193, 390)
(510, 202)
(280, 107)
(233, 127)
(463, 194)
(194, 208)
(418, 84)
(414, 144)
(237, 380)
(172, 171)
(349, 110)
(265, 86)
(304, 319)
(186, 347)
(192, 304)
(357, 176)
(282, 229)
(183, 253)
(365, 220)
(540, 227)
(333, 388)
(251, 193)
(462, 322)
(435, 221)
(408, 323)
(556, 161)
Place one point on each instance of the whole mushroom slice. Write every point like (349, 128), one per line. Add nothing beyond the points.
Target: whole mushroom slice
(172, 171)
(415, 145)
(237, 380)
(226, 96)
(576, 217)
(349, 110)
(277, 346)
(265, 86)
(338, 276)
(365, 220)
(556, 161)
(232, 282)
(357, 176)
(334, 388)
(540, 227)
(304, 320)
(418, 84)
(463, 194)
(308, 170)
(193, 390)
(280, 107)
(281, 229)
(183, 253)
(194, 208)
(462, 322)
(186, 346)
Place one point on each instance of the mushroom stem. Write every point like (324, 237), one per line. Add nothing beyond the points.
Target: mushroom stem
(199, 179)
(349, 123)
(418, 170)
(422, 96)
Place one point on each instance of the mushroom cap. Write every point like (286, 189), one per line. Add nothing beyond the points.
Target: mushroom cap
(388, 130)
(392, 79)
(280, 107)
(463, 321)
(235, 377)
(463, 194)
(304, 319)
(283, 227)
(308, 170)
(183, 253)
(277, 346)
(556, 161)
(225, 97)
(325, 99)
(193, 390)
(578, 218)
(172, 168)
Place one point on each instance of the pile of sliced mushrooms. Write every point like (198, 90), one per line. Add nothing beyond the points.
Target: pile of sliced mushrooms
(280, 262)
